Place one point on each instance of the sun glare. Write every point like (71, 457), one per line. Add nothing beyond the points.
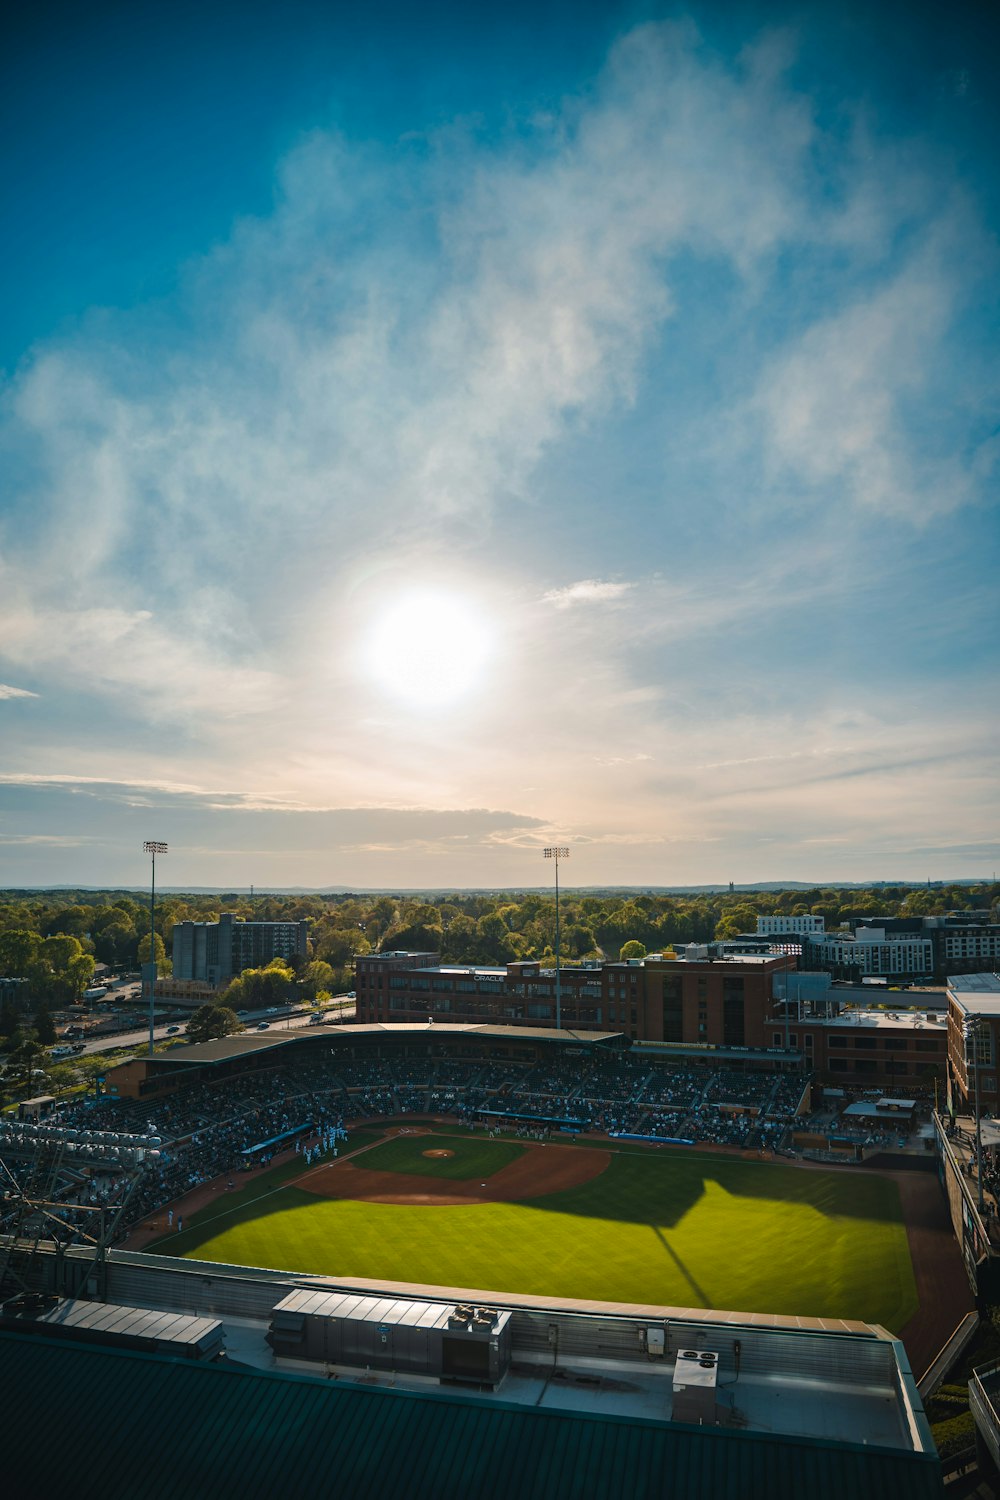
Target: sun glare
(429, 649)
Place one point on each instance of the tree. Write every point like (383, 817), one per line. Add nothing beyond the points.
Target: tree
(117, 940)
(44, 1029)
(18, 952)
(633, 949)
(163, 965)
(210, 1022)
(25, 1058)
(8, 1019)
(256, 988)
(315, 977)
(78, 975)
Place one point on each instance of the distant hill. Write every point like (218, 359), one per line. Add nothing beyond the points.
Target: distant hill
(722, 887)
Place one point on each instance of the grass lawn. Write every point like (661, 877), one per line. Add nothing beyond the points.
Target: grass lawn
(674, 1229)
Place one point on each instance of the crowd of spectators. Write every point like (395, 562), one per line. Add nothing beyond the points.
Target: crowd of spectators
(206, 1132)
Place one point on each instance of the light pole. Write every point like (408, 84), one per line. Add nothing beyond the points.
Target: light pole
(970, 1032)
(557, 852)
(152, 847)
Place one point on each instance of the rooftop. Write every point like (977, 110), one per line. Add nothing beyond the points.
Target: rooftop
(976, 994)
(237, 1433)
(881, 1020)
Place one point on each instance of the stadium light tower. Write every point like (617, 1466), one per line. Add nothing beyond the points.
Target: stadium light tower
(152, 847)
(557, 852)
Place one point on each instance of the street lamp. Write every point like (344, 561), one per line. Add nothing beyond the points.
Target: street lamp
(557, 852)
(970, 1032)
(152, 847)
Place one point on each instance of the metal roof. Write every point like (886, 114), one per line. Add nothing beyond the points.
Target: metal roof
(101, 1424)
(225, 1049)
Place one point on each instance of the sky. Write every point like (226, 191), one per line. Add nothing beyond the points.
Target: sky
(429, 434)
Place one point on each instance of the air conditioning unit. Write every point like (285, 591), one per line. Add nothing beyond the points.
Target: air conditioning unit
(695, 1375)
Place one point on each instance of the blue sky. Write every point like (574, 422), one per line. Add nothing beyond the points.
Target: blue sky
(426, 435)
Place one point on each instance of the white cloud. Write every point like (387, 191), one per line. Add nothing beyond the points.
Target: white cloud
(6, 691)
(587, 591)
(388, 368)
(836, 405)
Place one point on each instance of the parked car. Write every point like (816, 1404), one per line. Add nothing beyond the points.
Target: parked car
(263, 1025)
(172, 1030)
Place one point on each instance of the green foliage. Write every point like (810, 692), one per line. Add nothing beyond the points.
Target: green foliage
(633, 949)
(163, 964)
(42, 935)
(315, 979)
(45, 1031)
(212, 1021)
(955, 1434)
(256, 989)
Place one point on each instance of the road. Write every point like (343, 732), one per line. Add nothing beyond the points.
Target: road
(292, 1021)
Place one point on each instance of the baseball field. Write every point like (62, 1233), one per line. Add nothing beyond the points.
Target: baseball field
(440, 1206)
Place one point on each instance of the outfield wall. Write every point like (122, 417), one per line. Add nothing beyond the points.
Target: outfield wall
(835, 1348)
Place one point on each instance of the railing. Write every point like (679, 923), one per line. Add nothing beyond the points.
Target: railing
(983, 1410)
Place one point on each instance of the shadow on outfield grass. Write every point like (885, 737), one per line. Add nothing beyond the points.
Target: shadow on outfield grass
(662, 1189)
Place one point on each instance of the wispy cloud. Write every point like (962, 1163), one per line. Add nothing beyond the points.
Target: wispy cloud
(6, 691)
(587, 591)
(675, 341)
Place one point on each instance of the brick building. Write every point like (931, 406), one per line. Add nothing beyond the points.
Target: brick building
(744, 1006)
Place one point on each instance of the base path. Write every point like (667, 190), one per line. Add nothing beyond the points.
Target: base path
(540, 1171)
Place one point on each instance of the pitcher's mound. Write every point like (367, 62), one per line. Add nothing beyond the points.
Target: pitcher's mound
(437, 1154)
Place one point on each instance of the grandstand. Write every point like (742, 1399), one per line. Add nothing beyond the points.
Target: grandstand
(231, 1107)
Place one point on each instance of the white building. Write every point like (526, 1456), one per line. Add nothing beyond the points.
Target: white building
(776, 926)
(872, 951)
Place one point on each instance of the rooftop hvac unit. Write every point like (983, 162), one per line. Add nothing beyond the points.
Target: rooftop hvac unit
(695, 1375)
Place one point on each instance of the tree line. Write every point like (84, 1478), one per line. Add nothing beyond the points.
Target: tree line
(54, 940)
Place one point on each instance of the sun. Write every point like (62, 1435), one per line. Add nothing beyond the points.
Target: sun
(429, 649)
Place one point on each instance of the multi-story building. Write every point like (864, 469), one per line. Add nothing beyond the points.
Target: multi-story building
(973, 1042)
(758, 1008)
(399, 987)
(872, 951)
(693, 1000)
(216, 952)
(964, 943)
(779, 926)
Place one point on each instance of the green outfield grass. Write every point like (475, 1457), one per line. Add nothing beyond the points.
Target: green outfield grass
(669, 1228)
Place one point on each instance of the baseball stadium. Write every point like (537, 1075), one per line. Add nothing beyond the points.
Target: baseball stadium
(577, 1191)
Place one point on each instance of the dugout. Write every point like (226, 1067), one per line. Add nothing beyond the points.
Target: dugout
(448, 1342)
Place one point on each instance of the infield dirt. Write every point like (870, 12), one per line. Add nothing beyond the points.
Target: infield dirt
(541, 1170)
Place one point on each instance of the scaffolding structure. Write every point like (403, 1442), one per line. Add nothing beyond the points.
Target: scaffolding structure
(64, 1186)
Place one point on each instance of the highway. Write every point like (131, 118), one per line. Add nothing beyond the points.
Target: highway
(136, 1038)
